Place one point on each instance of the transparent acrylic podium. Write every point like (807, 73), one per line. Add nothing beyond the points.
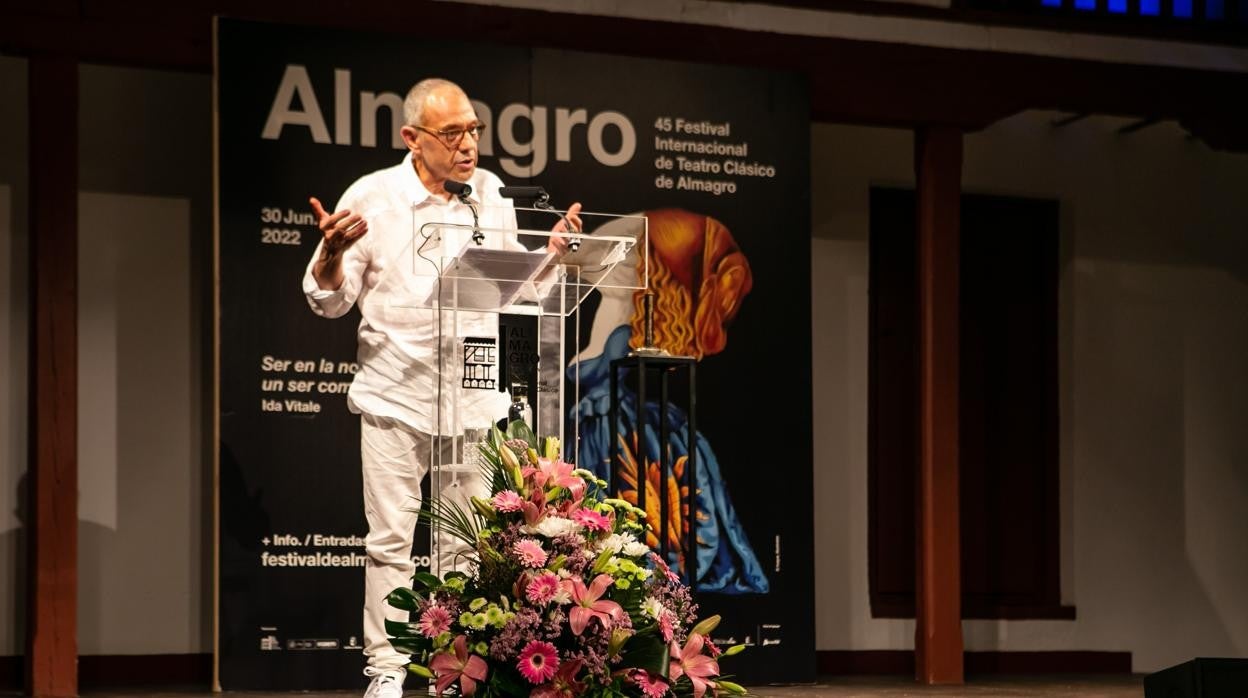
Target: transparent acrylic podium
(453, 282)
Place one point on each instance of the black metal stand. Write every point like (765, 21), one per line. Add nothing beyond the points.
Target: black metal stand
(662, 367)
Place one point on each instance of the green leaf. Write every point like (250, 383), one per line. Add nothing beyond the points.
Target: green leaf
(404, 598)
(509, 683)
(397, 628)
(604, 557)
(410, 645)
(645, 651)
(519, 429)
(429, 581)
(448, 517)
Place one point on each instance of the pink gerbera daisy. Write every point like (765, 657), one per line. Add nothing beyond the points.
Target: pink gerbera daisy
(435, 621)
(651, 686)
(529, 552)
(665, 625)
(591, 520)
(667, 571)
(538, 661)
(542, 589)
(507, 501)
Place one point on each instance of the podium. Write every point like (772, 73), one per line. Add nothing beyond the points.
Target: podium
(455, 286)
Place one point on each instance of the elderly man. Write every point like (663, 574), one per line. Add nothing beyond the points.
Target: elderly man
(366, 258)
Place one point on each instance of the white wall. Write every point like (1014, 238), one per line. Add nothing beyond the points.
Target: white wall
(145, 143)
(145, 219)
(140, 511)
(1153, 331)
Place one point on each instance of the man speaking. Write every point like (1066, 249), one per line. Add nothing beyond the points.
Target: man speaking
(366, 242)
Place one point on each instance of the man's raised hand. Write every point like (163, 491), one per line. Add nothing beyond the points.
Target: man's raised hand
(340, 229)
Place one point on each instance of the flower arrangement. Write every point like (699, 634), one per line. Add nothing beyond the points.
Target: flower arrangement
(564, 599)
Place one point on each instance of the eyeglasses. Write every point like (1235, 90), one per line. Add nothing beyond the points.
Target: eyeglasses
(451, 137)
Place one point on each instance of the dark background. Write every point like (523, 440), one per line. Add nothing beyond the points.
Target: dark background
(283, 473)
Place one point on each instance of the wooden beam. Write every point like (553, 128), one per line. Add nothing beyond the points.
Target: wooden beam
(938, 584)
(52, 641)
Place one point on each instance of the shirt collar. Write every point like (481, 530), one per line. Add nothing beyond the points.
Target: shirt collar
(419, 195)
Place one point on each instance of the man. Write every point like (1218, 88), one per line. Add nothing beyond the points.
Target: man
(370, 254)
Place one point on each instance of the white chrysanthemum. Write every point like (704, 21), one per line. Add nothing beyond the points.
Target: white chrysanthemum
(635, 549)
(652, 607)
(615, 542)
(552, 527)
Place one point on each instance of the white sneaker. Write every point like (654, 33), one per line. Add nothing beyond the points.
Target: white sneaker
(385, 686)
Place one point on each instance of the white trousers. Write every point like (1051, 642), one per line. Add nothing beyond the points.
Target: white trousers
(395, 460)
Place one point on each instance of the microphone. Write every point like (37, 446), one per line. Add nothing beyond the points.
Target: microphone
(461, 191)
(536, 194)
(541, 200)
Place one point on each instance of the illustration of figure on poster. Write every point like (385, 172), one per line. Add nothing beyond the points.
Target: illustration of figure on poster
(699, 277)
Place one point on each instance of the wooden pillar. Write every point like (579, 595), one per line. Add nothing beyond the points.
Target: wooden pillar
(938, 598)
(52, 640)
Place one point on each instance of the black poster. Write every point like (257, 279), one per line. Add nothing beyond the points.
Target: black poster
(718, 159)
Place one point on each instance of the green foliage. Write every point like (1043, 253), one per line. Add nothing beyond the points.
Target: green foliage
(647, 651)
(404, 599)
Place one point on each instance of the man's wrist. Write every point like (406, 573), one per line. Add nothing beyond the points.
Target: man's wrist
(329, 256)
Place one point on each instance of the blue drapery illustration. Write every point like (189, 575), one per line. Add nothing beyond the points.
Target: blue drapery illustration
(726, 561)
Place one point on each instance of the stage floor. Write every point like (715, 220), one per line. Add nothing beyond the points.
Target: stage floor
(831, 687)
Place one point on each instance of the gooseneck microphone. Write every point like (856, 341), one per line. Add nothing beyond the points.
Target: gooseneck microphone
(541, 201)
(461, 191)
(535, 194)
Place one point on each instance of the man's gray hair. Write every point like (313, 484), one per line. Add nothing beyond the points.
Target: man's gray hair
(414, 104)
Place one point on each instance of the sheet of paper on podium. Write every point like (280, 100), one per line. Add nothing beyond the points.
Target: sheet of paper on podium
(487, 279)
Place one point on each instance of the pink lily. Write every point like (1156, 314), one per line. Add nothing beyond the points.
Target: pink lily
(534, 507)
(692, 663)
(468, 668)
(587, 604)
(556, 474)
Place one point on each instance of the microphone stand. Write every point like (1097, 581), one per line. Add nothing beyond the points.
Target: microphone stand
(541, 201)
(461, 191)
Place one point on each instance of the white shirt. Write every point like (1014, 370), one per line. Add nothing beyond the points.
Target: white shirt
(391, 273)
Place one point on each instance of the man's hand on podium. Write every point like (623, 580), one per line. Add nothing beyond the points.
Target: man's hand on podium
(572, 220)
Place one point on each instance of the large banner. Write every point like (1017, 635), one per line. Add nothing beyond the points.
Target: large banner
(716, 157)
